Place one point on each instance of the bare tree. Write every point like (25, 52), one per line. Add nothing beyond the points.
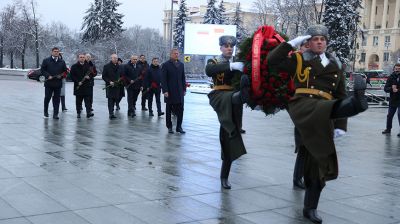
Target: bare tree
(263, 9)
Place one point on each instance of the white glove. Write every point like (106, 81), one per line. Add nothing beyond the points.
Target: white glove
(339, 132)
(237, 66)
(296, 42)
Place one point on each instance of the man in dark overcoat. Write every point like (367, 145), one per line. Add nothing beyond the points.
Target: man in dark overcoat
(54, 69)
(173, 84)
(152, 85)
(133, 86)
(112, 78)
(318, 109)
(392, 87)
(81, 76)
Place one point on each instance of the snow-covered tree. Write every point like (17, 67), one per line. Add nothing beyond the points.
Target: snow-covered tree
(102, 21)
(92, 22)
(179, 31)
(342, 18)
(241, 32)
(223, 19)
(211, 16)
(111, 20)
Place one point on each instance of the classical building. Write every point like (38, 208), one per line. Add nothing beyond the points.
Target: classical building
(196, 15)
(380, 47)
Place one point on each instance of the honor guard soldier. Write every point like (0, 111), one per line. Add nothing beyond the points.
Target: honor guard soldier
(318, 109)
(227, 103)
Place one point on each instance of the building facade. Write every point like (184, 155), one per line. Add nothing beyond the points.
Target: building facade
(379, 48)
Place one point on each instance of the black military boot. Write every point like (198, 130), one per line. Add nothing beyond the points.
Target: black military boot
(225, 169)
(298, 171)
(311, 199)
(242, 96)
(352, 105)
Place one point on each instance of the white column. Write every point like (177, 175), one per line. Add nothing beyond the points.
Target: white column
(372, 19)
(385, 12)
(396, 14)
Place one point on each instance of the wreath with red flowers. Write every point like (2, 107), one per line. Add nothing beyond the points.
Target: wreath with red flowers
(271, 89)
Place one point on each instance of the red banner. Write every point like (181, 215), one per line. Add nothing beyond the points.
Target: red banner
(263, 33)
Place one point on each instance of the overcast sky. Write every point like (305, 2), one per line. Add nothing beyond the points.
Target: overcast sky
(147, 13)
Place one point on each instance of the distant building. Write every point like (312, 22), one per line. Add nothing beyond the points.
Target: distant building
(380, 48)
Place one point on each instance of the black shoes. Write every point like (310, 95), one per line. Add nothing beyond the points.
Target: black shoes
(46, 115)
(144, 109)
(151, 114)
(299, 184)
(312, 215)
(89, 115)
(386, 131)
(180, 130)
(170, 131)
(242, 131)
(112, 116)
(78, 115)
(64, 110)
(55, 117)
(398, 135)
(225, 183)
(160, 114)
(117, 107)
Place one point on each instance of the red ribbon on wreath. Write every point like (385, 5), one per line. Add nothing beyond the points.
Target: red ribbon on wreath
(263, 33)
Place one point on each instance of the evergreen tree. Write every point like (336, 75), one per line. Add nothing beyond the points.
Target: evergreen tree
(211, 16)
(342, 18)
(223, 19)
(92, 22)
(111, 20)
(102, 21)
(179, 31)
(241, 32)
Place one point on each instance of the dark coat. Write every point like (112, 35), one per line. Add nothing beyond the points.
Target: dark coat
(173, 81)
(132, 72)
(52, 68)
(112, 72)
(93, 70)
(394, 79)
(153, 78)
(145, 67)
(310, 113)
(78, 73)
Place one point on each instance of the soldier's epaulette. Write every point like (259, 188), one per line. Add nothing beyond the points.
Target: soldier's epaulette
(212, 61)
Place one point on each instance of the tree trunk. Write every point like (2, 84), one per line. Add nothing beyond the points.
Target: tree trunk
(23, 54)
(12, 59)
(1, 51)
(37, 46)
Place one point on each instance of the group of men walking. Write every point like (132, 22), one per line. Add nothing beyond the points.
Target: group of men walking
(136, 76)
(319, 108)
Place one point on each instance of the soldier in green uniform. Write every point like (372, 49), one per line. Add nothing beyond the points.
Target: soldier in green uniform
(318, 109)
(227, 103)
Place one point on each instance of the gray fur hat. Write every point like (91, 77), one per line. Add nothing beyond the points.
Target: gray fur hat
(317, 30)
(227, 40)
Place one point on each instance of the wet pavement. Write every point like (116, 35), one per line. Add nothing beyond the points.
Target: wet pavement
(130, 170)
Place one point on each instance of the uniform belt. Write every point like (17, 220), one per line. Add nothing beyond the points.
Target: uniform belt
(223, 87)
(316, 92)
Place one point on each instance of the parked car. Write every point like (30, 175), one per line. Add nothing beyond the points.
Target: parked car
(36, 74)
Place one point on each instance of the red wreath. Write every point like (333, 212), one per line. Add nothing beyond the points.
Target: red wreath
(270, 89)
